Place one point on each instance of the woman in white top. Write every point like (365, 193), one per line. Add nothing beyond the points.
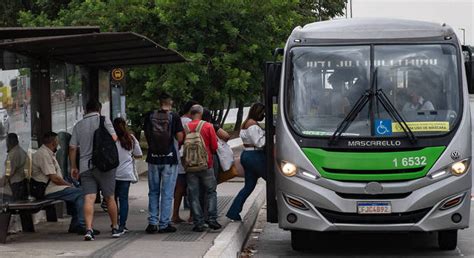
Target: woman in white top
(252, 158)
(128, 148)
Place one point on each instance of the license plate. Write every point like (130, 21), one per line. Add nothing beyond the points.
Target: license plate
(374, 208)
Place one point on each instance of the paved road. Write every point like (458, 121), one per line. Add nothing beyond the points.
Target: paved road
(267, 240)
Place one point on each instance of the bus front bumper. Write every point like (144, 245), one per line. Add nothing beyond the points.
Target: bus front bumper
(309, 206)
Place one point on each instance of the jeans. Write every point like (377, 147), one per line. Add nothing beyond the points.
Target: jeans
(74, 196)
(121, 193)
(161, 183)
(254, 166)
(207, 181)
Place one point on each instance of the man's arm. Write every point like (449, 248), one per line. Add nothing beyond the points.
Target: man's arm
(178, 125)
(212, 138)
(58, 180)
(72, 159)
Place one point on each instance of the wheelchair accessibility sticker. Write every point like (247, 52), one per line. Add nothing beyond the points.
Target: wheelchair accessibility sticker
(383, 127)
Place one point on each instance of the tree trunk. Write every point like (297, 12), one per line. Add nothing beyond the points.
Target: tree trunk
(219, 116)
(240, 114)
(226, 112)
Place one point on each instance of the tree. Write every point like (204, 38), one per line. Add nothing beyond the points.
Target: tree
(225, 41)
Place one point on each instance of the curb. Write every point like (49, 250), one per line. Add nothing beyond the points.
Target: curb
(230, 240)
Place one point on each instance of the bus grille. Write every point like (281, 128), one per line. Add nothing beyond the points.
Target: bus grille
(394, 218)
(373, 196)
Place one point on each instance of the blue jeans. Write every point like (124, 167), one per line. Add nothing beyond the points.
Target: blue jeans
(206, 181)
(121, 193)
(161, 183)
(74, 196)
(254, 166)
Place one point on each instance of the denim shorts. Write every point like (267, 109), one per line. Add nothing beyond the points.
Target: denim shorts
(94, 178)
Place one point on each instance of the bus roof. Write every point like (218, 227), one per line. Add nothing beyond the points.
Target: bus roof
(372, 28)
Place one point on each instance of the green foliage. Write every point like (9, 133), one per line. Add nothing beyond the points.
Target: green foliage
(225, 41)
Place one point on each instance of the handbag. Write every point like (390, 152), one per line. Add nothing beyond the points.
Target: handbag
(224, 176)
(225, 155)
(135, 172)
(134, 166)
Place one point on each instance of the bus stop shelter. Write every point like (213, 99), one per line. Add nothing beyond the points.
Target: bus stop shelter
(48, 74)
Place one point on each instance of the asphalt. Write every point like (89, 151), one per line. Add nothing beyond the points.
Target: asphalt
(268, 240)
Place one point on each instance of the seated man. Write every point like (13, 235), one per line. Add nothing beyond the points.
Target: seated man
(416, 102)
(15, 164)
(46, 169)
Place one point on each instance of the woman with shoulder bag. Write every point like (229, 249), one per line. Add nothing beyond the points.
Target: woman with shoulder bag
(128, 148)
(252, 158)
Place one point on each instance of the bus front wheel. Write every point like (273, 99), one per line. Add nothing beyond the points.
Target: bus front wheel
(448, 239)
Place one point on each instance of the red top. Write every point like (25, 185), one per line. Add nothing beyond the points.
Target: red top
(209, 136)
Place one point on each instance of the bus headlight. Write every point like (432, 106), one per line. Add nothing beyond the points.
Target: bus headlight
(288, 168)
(460, 167)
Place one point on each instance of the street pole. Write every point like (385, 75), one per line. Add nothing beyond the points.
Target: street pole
(463, 36)
(350, 4)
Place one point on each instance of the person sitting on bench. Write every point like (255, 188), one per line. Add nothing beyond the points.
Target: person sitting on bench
(15, 177)
(46, 169)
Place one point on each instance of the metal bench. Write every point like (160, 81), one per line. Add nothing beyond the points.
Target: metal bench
(26, 209)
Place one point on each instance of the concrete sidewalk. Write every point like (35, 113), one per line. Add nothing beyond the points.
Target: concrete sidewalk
(52, 239)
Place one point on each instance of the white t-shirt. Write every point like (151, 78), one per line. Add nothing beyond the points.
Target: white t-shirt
(124, 171)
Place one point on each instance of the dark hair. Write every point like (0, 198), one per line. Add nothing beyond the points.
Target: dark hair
(124, 136)
(49, 137)
(93, 106)
(164, 98)
(187, 106)
(206, 115)
(12, 140)
(256, 112)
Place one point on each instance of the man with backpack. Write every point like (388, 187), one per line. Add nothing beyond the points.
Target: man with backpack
(46, 170)
(163, 132)
(95, 138)
(199, 145)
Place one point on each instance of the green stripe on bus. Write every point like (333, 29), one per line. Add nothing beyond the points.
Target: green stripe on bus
(372, 162)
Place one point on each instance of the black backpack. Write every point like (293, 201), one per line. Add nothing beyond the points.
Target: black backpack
(104, 152)
(158, 133)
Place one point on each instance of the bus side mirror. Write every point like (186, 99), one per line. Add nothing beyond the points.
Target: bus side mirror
(469, 65)
(272, 78)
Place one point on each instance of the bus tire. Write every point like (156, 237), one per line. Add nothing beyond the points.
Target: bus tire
(300, 239)
(448, 239)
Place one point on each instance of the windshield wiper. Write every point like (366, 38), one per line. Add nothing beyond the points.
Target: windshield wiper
(387, 104)
(355, 110)
(367, 96)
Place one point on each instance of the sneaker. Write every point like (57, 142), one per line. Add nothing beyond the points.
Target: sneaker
(89, 236)
(199, 228)
(83, 231)
(234, 218)
(214, 225)
(123, 229)
(116, 233)
(151, 229)
(168, 229)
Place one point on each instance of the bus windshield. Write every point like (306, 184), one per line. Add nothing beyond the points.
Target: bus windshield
(420, 81)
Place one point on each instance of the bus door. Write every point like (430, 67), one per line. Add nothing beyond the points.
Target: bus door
(272, 81)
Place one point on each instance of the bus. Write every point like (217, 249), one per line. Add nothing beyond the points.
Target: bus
(371, 130)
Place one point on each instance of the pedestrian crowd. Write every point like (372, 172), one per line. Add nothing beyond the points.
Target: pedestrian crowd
(187, 156)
